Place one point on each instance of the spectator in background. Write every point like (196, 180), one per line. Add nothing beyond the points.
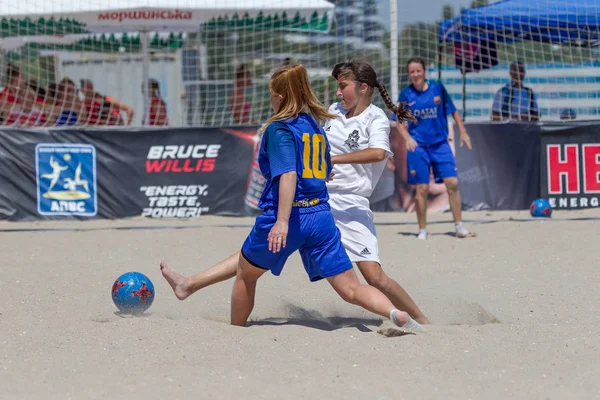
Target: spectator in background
(47, 100)
(110, 112)
(14, 82)
(103, 110)
(515, 101)
(158, 108)
(40, 92)
(240, 107)
(71, 109)
(52, 107)
(92, 102)
(28, 113)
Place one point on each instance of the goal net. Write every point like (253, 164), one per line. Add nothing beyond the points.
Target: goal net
(207, 63)
(521, 59)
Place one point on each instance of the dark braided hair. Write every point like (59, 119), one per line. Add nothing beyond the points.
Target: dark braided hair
(360, 70)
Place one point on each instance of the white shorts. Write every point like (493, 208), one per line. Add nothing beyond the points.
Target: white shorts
(354, 219)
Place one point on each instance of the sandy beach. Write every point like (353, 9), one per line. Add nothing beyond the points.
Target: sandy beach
(514, 315)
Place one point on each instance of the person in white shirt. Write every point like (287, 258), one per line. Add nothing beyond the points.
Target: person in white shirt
(360, 147)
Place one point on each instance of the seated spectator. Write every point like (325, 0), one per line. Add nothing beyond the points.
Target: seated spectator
(110, 112)
(158, 109)
(72, 109)
(91, 101)
(40, 92)
(240, 107)
(28, 113)
(14, 81)
(46, 100)
(515, 101)
(103, 110)
(50, 109)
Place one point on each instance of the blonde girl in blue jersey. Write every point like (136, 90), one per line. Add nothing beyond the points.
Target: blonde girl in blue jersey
(427, 143)
(294, 159)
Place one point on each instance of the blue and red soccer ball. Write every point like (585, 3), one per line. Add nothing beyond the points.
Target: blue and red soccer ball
(133, 293)
(541, 208)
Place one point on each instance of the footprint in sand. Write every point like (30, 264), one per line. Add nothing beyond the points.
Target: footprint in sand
(460, 312)
(463, 312)
(101, 320)
(394, 332)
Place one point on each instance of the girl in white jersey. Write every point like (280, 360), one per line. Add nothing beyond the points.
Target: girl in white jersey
(360, 146)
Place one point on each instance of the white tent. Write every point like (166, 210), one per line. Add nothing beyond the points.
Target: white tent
(103, 16)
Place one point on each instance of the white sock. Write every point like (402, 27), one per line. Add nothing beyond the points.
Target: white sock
(410, 324)
(422, 234)
(413, 325)
(461, 230)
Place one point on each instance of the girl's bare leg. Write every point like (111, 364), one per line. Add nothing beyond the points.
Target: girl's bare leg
(422, 190)
(456, 207)
(376, 277)
(244, 289)
(347, 285)
(183, 286)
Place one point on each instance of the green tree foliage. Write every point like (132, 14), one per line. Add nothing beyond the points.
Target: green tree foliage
(479, 3)
(28, 27)
(447, 12)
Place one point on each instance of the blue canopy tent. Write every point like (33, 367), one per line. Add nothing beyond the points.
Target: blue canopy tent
(548, 21)
(566, 22)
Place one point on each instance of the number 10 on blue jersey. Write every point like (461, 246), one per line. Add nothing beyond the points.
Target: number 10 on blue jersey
(314, 164)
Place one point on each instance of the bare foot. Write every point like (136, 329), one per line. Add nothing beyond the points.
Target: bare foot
(179, 283)
(423, 320)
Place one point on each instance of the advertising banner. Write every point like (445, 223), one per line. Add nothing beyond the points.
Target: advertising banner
(570, 165)
(181, 173)
(502, 171)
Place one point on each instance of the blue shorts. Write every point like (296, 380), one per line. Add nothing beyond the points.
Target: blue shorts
(314, 235)
(438, 157)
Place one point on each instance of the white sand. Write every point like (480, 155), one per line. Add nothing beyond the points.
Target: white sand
(515, 315)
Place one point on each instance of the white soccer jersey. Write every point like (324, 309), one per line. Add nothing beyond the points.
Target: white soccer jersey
(346, 135)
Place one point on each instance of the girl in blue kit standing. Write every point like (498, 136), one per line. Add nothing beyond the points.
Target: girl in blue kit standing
(427, 143)
(294, 159)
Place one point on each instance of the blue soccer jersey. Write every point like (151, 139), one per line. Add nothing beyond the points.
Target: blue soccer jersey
(431, 108)
(299, 145)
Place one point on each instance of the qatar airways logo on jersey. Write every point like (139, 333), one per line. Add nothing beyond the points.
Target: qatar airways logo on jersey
(425, 113)
(182, 158)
